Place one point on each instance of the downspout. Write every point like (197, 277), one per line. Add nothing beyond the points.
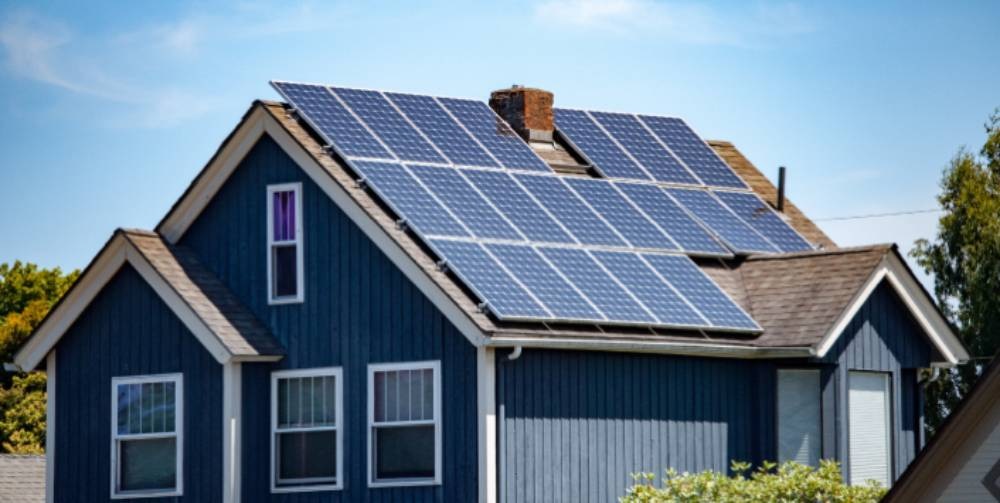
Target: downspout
(514, 354)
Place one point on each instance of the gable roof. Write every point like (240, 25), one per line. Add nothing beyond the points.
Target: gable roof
(765, 285)
(22, 478)
(957, 438)
(206, 307)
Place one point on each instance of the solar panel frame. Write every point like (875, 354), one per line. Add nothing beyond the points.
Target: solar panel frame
(503, 294)
(443, 130)
(505, 145)
(729, 227)
(585, 136)
(692, 237)
(644, 147)
(604, 290)
(355, 139)
(519, 206)
(688, 146)
(546, 283)
(465, 202)
(389, 124)
(660, 298)
(386, 178)
(702, 292)
(630, 222)
(572, 212)
(759, 215)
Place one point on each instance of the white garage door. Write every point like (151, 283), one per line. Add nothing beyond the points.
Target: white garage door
(868, 426)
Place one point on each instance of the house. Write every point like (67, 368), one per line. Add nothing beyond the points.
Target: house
(539, 303)
(22, 478)
(962, 462)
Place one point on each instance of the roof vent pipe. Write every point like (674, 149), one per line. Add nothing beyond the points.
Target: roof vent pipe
(781, 188)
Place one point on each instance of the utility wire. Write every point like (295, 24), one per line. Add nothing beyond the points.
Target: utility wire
(878, 215)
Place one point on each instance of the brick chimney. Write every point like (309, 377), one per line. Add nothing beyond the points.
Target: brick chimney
(527, 110)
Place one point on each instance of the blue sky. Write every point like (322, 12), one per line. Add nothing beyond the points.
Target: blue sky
(111, 109)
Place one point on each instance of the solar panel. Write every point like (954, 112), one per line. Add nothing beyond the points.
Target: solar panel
(571, 211)
(408, 199)
(518, 206)
(464, 202)
(558, 296)
(724, 223)
(690, 235)
(495, 134)
(441, 128)
(387, 123)
(490, 282)
(761, 217)
(577, 127)
(600, 288)
(669, 307)
(701, 291)
(322, 110)
(637, 229)
(643, 146)
(696, 154)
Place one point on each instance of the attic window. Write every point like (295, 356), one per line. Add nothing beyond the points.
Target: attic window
(284, 243)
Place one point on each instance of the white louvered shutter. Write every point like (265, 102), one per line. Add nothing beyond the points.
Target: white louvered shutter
(799, 416)
(868, 423)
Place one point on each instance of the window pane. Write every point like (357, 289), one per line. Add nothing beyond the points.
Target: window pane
(391, 393)
(306, 401)
(123, 407)
(330, 400)
(404, 452)
(148, 464)
(379, 398)
(145, 407)
(285, 273)
(428, 392)
(307, 455)
(284, 216)
(799, 416)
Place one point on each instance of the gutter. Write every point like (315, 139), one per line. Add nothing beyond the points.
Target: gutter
(661, 347)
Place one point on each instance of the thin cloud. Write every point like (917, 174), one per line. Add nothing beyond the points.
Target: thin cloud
(43, 50)
(695, 24)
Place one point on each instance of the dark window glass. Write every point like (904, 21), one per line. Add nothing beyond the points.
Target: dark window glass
(148, 464)
(404, 452)
(310, 456)
(285, 271)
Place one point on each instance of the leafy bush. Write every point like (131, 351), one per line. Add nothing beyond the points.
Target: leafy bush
(789, 482)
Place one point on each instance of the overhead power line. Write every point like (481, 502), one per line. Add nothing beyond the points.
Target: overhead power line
(879, 215)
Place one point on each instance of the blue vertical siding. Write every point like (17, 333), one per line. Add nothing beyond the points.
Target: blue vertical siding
(883, 337)
(575, 425)
(359, 309)
(127, 330)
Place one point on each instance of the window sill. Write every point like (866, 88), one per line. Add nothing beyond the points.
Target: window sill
(145, 494)
(285, 300)
(307, 489)
(403, 483)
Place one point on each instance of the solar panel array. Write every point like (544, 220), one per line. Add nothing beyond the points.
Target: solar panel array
(534, 245)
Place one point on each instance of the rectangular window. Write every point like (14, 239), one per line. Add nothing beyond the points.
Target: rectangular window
(404, 413)
(306, 414)
(868, 424)
(284, 243)
(147, 436)
(799, 435)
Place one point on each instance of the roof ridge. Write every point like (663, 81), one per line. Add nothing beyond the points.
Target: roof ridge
(883, 247)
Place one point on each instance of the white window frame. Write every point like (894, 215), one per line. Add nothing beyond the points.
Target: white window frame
(297, 242)
(819, 398)
(435, 367)
(338, 427)
(178, 433)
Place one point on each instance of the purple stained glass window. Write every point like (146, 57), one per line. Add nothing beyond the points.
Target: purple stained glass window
(284, 215)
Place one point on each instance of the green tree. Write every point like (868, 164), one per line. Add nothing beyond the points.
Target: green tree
(27, 292)
(964, 259)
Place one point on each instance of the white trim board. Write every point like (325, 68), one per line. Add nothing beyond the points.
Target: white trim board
(232, 428)
(936, 328)
(115, 254)
(50, 427)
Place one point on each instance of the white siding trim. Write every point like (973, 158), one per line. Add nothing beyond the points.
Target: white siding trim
(232, 406)
(50, 427)
(914, 298)
(435, 367)
(487, 423)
